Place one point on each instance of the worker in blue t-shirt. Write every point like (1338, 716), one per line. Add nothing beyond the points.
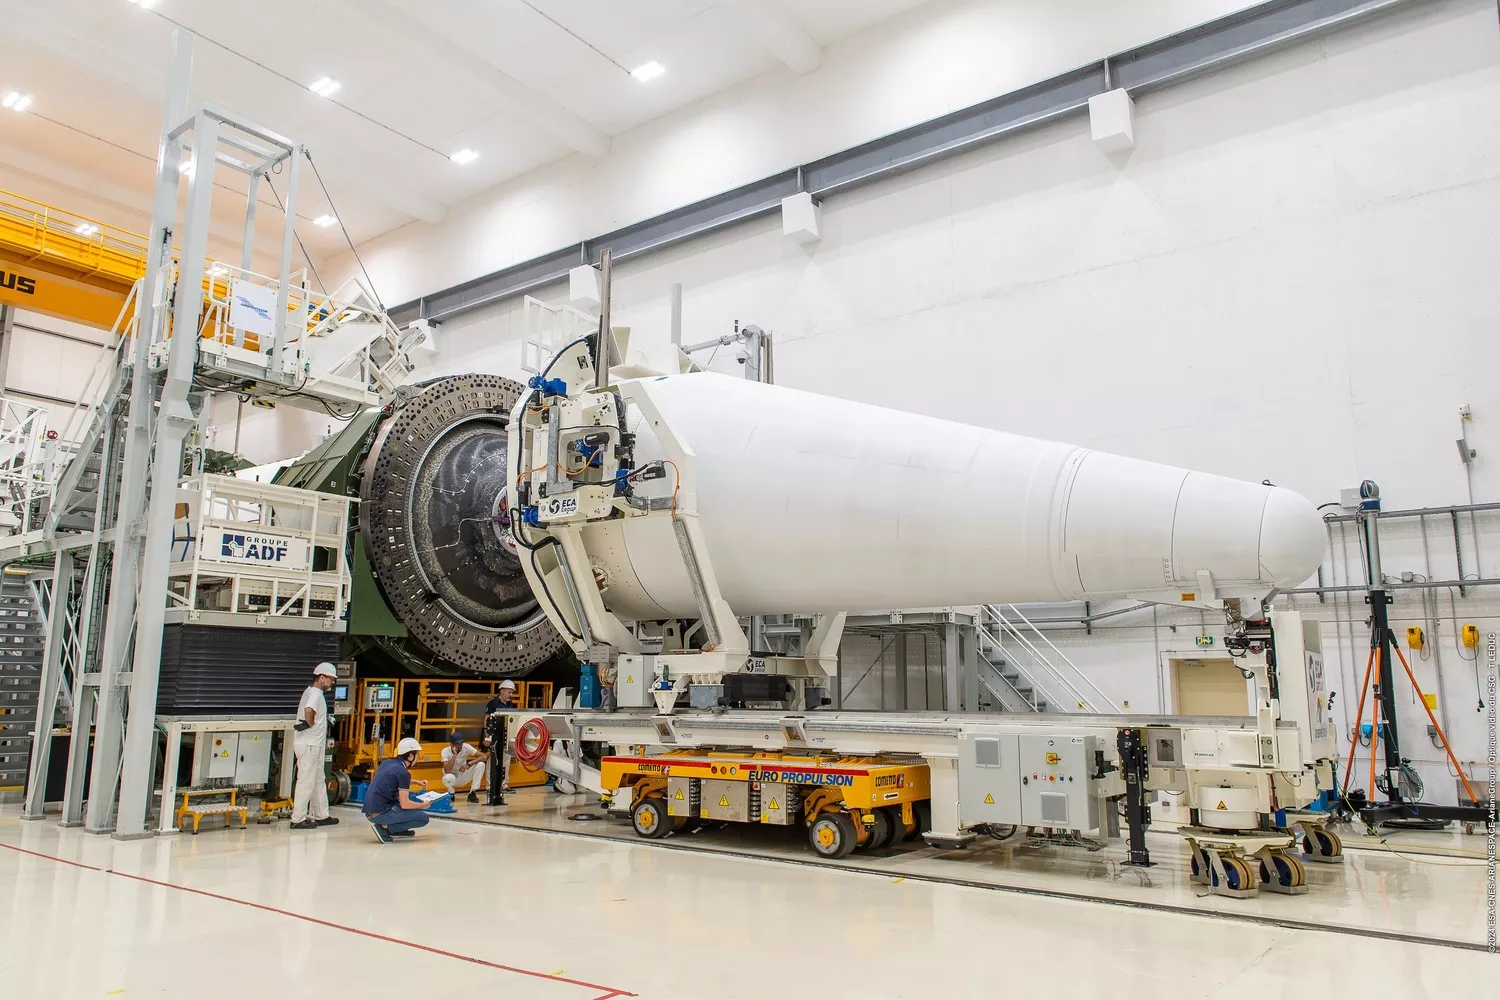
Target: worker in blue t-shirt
(388, 803)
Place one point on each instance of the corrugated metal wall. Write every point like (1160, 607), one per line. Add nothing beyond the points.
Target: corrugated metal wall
(210, 670)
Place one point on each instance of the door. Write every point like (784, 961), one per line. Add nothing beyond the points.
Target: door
(1210, 687)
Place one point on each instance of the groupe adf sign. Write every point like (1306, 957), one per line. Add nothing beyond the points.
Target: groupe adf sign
(253, 548)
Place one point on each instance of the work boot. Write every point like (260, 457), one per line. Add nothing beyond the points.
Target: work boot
(327, 821)
(473, 796)
(307, 824)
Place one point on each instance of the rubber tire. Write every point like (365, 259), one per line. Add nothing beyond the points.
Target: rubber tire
(878, 833)
(923, 813)
(898, 829)
(650, 820)
(843, 836)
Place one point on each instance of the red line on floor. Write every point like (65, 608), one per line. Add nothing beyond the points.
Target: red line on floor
(608, 994)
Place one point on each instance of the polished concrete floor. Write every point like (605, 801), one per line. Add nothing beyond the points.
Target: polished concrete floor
(473, 908)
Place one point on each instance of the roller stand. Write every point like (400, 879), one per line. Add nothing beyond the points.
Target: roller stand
(1319, 844)
(1236, 864)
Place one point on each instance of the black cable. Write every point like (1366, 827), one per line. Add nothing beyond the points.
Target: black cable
(369, 282)
(515, 533)
(311, 266)
(297, 83)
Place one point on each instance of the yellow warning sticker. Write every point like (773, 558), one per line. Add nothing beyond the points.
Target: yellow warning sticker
(630, 678)
(989, 800)
(678, 796)
(724, 800)
(1222, 805)
(774, 805)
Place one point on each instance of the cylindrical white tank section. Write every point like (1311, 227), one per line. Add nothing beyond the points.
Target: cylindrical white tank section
(809, 503)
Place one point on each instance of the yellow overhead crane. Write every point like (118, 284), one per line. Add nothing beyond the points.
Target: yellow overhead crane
(66, 265)
(80, 269)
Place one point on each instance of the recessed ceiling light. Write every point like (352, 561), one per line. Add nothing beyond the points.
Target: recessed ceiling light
(218, 269)
(16, 101)
(143, 4)
(649, 71)
(324, 86)
(85, 229)
(464, 156)
(325, 220)
(187, 167)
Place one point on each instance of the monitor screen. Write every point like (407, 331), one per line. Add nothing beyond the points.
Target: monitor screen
(341, 692)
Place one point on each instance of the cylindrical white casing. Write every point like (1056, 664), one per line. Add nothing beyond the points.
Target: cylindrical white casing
(809, 503)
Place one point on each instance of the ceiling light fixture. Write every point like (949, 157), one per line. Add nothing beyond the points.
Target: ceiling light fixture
(219, 269)
(325, 220)
(85, 229)
(464, 157)
(143, 4)
(649, 71)
(16, 101)
(187, 168)
(324, 86)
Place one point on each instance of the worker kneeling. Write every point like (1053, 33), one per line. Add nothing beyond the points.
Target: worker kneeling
(388, 803)
(458, 772)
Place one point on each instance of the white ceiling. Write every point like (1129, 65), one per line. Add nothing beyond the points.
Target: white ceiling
(420, 79)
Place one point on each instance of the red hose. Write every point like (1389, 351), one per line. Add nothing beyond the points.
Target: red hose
(530, 753)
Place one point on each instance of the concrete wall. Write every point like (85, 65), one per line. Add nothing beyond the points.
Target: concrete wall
(1290, 278)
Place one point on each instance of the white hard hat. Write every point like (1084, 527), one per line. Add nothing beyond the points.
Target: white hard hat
(507, 685)
(407, 746)
(325, 670)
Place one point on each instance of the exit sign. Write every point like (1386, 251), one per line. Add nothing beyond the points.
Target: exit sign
(1205, 640)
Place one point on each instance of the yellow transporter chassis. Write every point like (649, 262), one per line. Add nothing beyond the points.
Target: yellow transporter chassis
(846, 802)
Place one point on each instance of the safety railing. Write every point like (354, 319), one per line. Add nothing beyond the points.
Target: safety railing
(28, 460)
(1056, 676)
(37, 231)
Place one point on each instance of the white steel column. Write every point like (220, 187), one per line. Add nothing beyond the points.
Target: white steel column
(52, 681)
(283, 326)
(125, 576)
(174, 420)
(84, 695)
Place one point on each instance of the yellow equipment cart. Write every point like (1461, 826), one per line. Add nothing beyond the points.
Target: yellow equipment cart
(386, 710)
(846, 802)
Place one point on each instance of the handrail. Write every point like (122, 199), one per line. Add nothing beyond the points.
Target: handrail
(1036, 688)
(1034, 701)
(1099, 702)
(99, 378)
(1103, 698)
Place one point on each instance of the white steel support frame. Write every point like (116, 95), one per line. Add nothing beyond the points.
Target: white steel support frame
(125, 578)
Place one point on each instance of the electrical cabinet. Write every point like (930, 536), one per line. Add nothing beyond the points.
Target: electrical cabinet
(223, 754)
(1057, 789)
(253, 766)
(989, 777)
(725, 800)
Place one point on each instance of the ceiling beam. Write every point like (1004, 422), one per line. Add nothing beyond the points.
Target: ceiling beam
(546, 113)
(777, 33)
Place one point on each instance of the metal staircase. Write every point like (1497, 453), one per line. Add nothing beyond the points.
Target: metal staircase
(22, 641)
(1018, 673)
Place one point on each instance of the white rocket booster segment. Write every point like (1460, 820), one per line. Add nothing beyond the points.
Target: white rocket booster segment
(808, 503)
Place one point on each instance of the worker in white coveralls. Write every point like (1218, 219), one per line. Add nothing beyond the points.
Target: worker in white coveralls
(462, 766)
(310, 800)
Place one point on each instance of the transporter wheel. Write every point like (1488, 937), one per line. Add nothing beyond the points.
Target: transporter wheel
(650, 819)
(1322, 844)
(878, 833)
(898, 828)
(923, 813)
(1284, 870)
(1237, 874)
(832, 835)
(338, 788)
